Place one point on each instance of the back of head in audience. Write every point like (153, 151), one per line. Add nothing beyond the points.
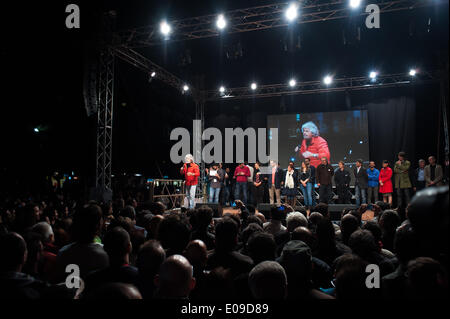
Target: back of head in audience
(294, 220)
(13, 251)
(226, 234)
(261, 246)
(268, 280)
(175, 279)
(118, 246)
(87, 223)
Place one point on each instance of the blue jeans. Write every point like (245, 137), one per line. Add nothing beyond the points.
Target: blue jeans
(190, 194)
(241, 187)
(214, 194)
(360, 195)
(307, 194)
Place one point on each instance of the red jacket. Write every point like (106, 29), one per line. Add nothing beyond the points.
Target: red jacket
(317, 146)
(193, 179)
(385, 178)
(241, 178)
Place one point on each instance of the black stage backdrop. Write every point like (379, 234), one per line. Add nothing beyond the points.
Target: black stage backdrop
(400, 119)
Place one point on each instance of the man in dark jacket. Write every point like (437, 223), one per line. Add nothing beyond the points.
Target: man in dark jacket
(324, 175)
(361, 183)
(274, 182)
(342, 181)
(312, 180)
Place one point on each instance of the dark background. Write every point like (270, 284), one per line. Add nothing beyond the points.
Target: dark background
(42, 66)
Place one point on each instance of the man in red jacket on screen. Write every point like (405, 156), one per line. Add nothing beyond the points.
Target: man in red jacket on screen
(191, 173)
(313, 146)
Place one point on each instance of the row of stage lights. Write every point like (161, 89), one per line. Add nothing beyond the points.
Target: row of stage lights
(291, 13)
(327, 80)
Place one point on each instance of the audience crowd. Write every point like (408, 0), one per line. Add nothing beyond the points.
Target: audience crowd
(58, 249)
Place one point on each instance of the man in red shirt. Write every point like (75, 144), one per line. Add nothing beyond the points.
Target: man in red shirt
(191, 173)
(313, 146)
(241, 174)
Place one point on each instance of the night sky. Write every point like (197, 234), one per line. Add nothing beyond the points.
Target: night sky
(42, 73)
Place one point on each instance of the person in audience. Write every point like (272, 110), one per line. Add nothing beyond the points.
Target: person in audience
(224, 254)
(150, 257)
(14, 284)
(268, 281)
(328, 248)
(361, 183)
(433, 173)
(342, 181)
(373, 175)
(174, 234)
(203, 216)
(386, 183)
(324, 175)
(402, 180)
(197, 254)
(277, 215)
(83, 251)
(296, 259)
(294, 220)
(427, 279)
(175, 279)
(388, 221)
(117, 245)
(349, 224)
(114, 291)
(376, 231)
(261, 246)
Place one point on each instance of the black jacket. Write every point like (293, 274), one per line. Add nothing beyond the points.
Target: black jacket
(324, 174)
(361, 178)
(342, 178)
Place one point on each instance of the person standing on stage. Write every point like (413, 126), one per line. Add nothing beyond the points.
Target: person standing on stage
(313, 146)
(290, 185)
(312, 180)
(258, 185)
(419, 177)
(250, 190)
(433, 173)
(241, 174)
(274, 183)
(227, 187)
(342, 181)
(361, 183)
(215, 176)
(386, 183)
(191, 173)
(372, 189)
(401, 179)
(306, 185)
(324, 174)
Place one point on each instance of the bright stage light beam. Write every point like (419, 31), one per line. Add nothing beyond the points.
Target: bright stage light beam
(327, 80)
(354, 3)
(292, 83)
(292, 12)
(373, 75)
(221, 89)
(253, 86)
(165, 28)
(413, 72)
(153, 74)
(185, 88)
(221, 23)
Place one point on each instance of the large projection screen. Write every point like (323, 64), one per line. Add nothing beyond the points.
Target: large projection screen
(335, 135)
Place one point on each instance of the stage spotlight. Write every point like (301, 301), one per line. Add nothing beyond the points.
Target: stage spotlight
(36, 130)
(327, 80)
(153, 74)
(292, 83)
(412, 72)
(185, 88)
(221, 23)
(373, 75)
(292, 12)
(165, 28)
(253, 86)
(221, 89)
(354, 3)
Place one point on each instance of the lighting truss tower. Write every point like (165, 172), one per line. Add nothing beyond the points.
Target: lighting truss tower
(105, 120)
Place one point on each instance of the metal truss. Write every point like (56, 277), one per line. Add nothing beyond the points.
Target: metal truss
(134, 58)
(259, 18)
(105, 119)
(342, 84)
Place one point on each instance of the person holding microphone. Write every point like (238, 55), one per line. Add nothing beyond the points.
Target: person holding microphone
(191, 173)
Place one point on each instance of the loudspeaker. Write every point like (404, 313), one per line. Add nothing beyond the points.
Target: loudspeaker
(335, 210)
(264, 208)
(214, 206)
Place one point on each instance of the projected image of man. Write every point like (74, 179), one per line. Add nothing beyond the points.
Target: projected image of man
(313, 146)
